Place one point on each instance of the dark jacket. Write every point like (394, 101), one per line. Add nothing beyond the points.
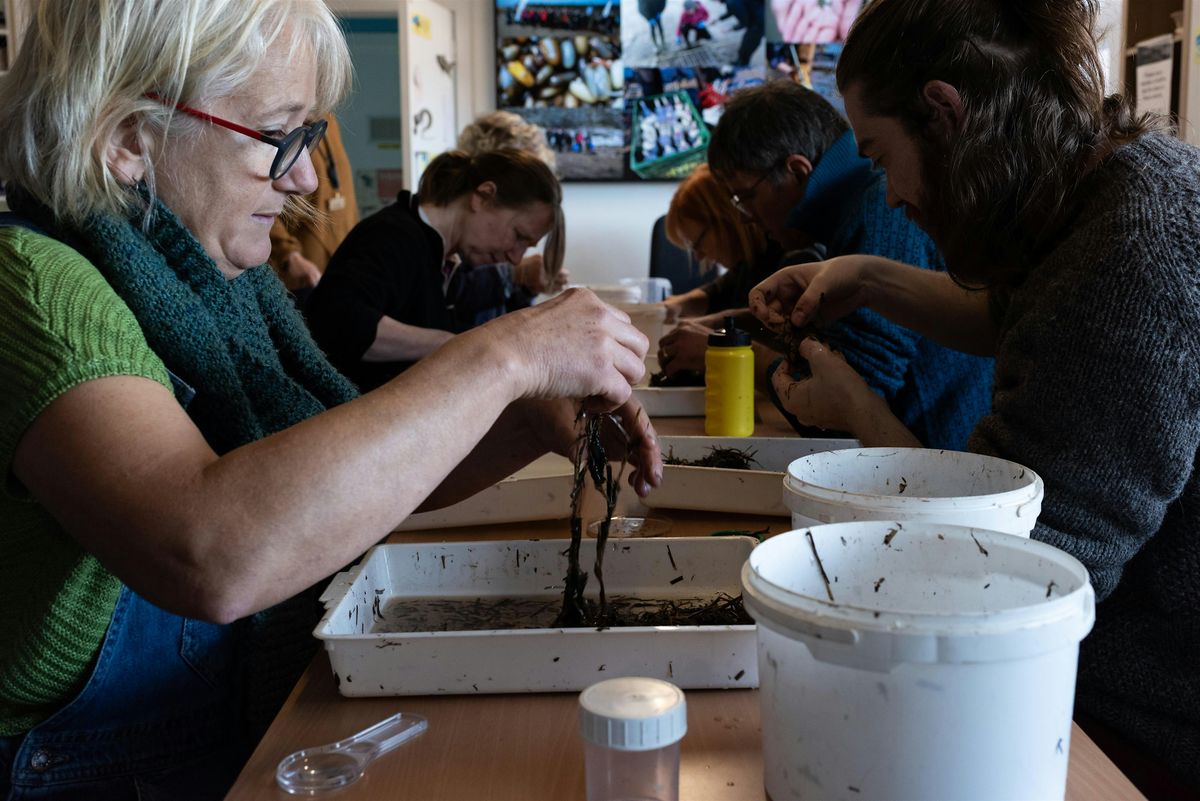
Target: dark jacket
(390, 264)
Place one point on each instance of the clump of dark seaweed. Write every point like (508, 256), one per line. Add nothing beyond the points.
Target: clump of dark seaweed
(725, 458)
(788, 338)
(590, 461)
(722, 610)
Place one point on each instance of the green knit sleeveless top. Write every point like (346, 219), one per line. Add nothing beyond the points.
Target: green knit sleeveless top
(61, 325)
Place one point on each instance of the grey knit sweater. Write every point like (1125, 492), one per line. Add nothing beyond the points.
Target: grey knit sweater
(1097, 388)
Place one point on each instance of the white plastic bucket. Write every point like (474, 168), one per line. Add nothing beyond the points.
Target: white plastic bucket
(943, 668)
(649, 318)
(966, 489)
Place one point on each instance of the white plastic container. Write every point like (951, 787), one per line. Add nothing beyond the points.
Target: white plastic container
(715, 489)
(953, 487)
(631, 728)
(539, 491)
(650, 290)
(367, 662)
(616, 293)
(915, 661)
(649, 318)
(671, 401)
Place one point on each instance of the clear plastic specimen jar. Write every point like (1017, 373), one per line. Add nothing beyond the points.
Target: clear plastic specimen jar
(631, 728)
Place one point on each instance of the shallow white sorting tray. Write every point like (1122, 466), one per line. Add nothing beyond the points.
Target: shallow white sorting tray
(535, 660)
(713, 489)
(671, 401)
(539, 491)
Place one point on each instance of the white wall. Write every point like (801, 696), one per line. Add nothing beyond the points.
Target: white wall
(1110, 25)
(608, 228)
(608, 224)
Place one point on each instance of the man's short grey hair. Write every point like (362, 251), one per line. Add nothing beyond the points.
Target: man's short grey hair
(763, 125)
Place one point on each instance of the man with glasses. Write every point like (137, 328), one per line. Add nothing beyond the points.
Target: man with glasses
(790, 163)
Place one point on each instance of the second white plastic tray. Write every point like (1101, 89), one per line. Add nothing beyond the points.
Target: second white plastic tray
(752, 492)
(671, 401)
(539, 491)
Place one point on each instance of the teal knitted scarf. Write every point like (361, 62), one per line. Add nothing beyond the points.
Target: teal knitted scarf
(243, 348)
(239, 343)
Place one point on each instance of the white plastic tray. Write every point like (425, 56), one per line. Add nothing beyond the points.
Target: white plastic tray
(711, 489)
(535, 660)
(671, 401)
(539, 491)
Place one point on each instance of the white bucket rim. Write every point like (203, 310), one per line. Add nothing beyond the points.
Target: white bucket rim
(928, 636)
(795, 486)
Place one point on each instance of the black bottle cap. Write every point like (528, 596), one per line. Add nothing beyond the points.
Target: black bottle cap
(729, 337)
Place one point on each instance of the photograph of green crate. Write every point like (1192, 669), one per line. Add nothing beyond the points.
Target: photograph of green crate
(676, 165)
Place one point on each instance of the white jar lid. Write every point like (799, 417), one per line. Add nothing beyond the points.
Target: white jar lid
(633, 714)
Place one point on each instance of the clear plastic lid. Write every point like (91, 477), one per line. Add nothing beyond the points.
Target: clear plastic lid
(633, 714)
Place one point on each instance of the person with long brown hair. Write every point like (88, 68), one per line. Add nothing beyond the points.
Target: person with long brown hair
(1071, 233)
(481, 292)
(382, 303)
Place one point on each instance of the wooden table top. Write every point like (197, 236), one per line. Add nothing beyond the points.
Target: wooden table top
(526, 747)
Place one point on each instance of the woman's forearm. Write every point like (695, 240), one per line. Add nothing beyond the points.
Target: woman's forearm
(128, 475)
(399, 342)
(690, 304)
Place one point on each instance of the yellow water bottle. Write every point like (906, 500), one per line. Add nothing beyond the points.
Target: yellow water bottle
(729, 383)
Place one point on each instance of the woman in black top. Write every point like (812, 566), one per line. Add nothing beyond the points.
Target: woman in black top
(381, 304)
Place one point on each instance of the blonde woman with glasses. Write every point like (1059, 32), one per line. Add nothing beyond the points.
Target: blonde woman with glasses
(161, 396)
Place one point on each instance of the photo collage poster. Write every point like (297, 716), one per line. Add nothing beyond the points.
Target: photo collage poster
(631, 89)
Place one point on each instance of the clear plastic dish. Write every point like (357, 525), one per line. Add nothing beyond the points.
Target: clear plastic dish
(633, 527)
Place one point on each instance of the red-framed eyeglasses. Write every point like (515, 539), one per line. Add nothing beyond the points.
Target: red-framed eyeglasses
(288, 148)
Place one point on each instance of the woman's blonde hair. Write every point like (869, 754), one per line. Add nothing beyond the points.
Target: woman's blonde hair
(501, 130)
(520, 178)
(703, 200)
(86, 66)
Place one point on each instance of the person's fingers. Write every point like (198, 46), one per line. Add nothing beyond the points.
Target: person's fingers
(671, 366)
(812, 349)
(614, 391)
(807, 310)
(766, 309)
(630, 364)
(632, 340)
(642, 448)
(613, 310)
(795, 396)
(757, 303)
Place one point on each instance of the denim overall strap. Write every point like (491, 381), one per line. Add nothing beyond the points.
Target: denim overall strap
(158, 718)
(8, 219)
